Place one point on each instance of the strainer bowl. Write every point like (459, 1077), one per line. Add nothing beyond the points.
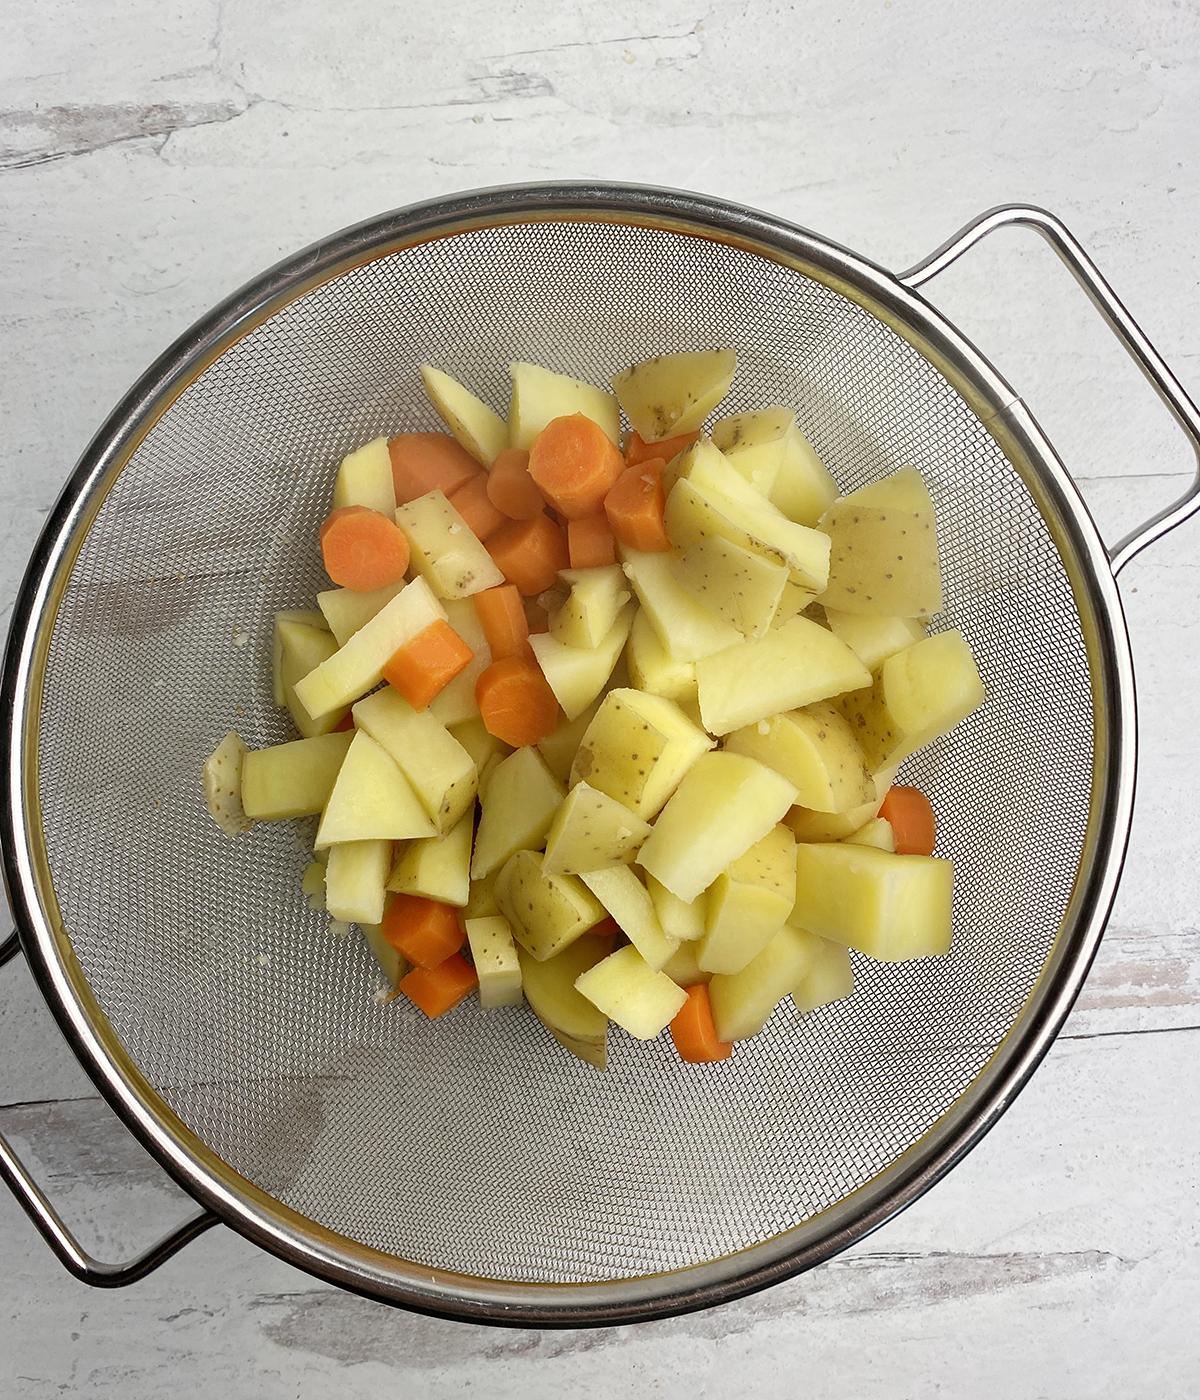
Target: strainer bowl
(467, 1167)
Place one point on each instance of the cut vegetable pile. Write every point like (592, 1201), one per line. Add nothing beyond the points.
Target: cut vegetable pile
(676, 677)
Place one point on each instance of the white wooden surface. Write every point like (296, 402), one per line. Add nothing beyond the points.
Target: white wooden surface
(154, 156)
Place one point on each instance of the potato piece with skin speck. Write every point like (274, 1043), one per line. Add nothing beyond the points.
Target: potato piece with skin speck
(223, 785)
(592, 831)
(883, 556)
(741, 588)
(673, 394)
(754, 443)
(444, 551)
(497, 965)
(547, 913)
(637, 749)
(687, 629)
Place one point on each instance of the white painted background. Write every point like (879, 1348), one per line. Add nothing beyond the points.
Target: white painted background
(153, 156)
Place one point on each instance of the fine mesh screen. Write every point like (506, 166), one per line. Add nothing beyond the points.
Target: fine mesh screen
(474, 1143)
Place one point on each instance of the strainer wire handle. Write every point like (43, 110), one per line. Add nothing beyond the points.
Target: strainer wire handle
(1126, 329)
(50, 1225)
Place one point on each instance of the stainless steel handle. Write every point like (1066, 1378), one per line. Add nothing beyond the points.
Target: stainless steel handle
(1123, 326)
(48, 1221)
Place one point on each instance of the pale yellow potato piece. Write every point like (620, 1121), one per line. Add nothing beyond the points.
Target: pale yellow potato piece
(803, 488)
(829, 977)
(440, 770)
(570, 1018)
(920, 694)
(686, 629)
(444, 551)
(539, 396)
(890, 907)
(312, 882)
(302, 647)
(591, 831)
(742, 1002)
(391, 963)
(815, 749)
(874, 639)
(877, 832)
(681, 919)
(639, 998)
(346, 611)
(755, 442)
(577, 676)
(884, 552)
(652, 668)
(438, 867)
(455, 703)
(478, 429)
(518, 806)
(695, 512)
(223, 785)
(292, 780)
(365, 479)
(725, 803)
(637, 750)
(625, 897)
(547, 913)
(357, 666)
(792, 666)
(683, 969)
(593, 604)
(355, 875)
(749, 902)
(707, 467)
(371, 800)
(306, 617)
(672, 394)
(494, 954)
(741, 588)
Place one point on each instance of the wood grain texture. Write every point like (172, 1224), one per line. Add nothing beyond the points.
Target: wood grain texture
(153, 158)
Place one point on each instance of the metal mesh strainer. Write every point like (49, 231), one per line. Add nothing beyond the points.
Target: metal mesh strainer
(462, 1166)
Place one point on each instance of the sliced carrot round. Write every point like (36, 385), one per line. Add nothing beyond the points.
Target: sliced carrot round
(516, 702)
(693, 1031)
(363, 549)
(530, 553)
(574, 462)
(590, 542)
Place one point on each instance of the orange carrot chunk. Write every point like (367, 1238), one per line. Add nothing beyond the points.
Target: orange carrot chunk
(424, 462)
(575, 463)
(530, 553)
(438, 989)
(693, 1031)
(912, 820)
(590, 542)
(425, 931)
(475, 506)
(501, 614)
(511, 489)
(363, 549)
(635, 507)
(516, 702)
(637, 451)
(428, 662)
